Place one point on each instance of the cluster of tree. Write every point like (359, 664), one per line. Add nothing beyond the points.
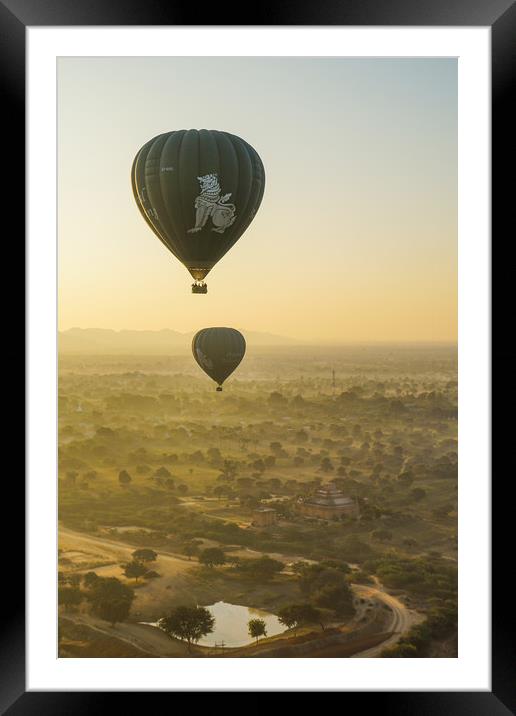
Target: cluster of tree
(212, 557)
(109, 598)
(296, 615)
(138, 566)
(261, 569)
(69, 597)
(326, 585)
(428, 575)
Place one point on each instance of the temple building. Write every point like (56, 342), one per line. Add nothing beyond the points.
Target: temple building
(264, 517)
(326, 503)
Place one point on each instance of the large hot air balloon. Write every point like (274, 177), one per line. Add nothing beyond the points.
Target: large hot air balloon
(218, 351)
(198, 190)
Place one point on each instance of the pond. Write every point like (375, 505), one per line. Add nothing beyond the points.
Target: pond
(231, 624)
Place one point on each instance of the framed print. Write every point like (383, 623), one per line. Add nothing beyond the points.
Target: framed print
(290, 457)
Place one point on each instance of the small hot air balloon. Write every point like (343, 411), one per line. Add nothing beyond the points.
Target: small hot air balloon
(198, 190)
(218, 351)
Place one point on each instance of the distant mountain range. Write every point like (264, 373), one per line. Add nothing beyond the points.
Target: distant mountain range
(103, 340)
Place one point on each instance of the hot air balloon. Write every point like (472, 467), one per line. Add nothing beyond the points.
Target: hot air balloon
(198, 190)
(218, 351)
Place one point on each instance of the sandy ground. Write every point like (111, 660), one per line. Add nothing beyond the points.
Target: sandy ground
(85, 550)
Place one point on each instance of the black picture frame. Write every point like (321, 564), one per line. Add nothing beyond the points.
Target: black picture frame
(500, 15)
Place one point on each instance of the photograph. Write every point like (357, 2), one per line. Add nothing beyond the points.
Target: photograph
(257, 308)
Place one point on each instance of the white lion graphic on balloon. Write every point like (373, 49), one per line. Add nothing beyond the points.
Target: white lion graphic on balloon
(210, 203)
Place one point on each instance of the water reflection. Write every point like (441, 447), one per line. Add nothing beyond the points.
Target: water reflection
(231, 624)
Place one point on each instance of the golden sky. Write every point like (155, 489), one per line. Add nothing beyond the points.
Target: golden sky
(356, 237)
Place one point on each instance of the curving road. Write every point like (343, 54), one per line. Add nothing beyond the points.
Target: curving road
(400, 622)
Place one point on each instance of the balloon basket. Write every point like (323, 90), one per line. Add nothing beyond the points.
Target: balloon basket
(219, 389)
(199, 287)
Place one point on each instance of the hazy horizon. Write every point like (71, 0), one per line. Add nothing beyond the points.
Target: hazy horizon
(297, 340)
(356, 238)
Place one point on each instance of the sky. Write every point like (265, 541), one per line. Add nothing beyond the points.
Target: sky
(356, 236)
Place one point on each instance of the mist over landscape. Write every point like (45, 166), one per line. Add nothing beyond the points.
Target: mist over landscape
(155, 465)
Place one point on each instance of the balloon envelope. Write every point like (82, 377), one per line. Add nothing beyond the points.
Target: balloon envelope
(218, 351)
(198, 190)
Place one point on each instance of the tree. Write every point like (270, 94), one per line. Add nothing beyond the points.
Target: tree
(91, 475)
(312, 615)
(124, 478)
(276, 398)
(212, 557)
(259, 465)
(188, 623)
(296, 615)
(134, 569)
(89, 579)
(190, 549)
(183, 489)
(326, 465)
(69, 597)
(74, 580)
(111, 600)
(336, 597)
(289, 617)
(262, 569)
(113, 611)
(144, 555)
(256, 628)
(218, 491)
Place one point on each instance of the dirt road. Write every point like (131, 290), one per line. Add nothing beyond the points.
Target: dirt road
(75, 540)
(147, 638)
(400, 622)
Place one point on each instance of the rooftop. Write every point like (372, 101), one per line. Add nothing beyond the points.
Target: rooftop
(328, 496)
